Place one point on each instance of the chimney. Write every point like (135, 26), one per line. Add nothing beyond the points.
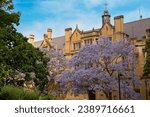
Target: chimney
(31, 39)
(119, 28)
(68, 33)
(45, 36)
(49, 34)
(118, 21)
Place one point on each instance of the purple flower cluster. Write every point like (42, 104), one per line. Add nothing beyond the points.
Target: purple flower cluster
(96, 67)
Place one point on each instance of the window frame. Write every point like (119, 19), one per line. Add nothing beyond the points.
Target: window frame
(77, 45)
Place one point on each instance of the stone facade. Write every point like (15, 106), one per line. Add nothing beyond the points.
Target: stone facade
(73, 40)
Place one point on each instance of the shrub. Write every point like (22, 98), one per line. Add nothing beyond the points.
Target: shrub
(17, 93)
(30, 95)
(11, 93)
(48, 97)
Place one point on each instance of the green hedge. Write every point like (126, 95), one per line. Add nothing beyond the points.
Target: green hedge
(30, 95)
(18, 93)
(48, 97)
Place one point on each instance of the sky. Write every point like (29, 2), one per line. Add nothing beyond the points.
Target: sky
(39, 15)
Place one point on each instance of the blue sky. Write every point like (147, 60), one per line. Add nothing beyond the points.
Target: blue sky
(39, 15)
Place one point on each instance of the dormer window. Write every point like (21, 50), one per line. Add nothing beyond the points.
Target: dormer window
(77, 46)
(88, 42)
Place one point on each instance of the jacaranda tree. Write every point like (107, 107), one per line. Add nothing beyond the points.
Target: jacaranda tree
(56, 65)
(97, 67)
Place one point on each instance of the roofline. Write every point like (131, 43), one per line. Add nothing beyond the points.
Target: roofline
(136, 21)
(96, 30)
(58, 37)
(52, 38)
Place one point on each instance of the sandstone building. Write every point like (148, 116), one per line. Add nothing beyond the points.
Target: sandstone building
(73, 40)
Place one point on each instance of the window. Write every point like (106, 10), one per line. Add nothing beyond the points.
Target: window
(77, 46)
(88, 42)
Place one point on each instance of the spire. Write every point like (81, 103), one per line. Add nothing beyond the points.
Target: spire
(106, 5)
(76, 26)
(106, 8)
(140, 14)
(106, 16)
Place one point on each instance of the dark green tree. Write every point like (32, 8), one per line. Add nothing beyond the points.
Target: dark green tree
(146, 74)
(16, 54)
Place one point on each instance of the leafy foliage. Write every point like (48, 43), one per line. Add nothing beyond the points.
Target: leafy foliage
(48, 97)
(17, 56)
(56, 65)
(7, 16)
(147, 62)
(30, 95)
(11, 93)
(17, 93)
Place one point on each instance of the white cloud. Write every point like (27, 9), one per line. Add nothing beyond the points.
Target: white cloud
(66, 15)
(36, 28)
(85, 22)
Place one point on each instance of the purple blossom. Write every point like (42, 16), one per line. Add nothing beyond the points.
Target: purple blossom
(96, 67)
(56, 66)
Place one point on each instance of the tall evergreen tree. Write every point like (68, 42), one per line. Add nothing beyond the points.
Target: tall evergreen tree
(17, 56)
(146, 74)
(147, 62)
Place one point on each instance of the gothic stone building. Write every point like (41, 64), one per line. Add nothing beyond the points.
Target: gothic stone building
(73, 40)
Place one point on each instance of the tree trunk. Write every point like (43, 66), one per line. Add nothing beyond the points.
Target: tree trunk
(119, 87)
(110, 96)
(91, 95)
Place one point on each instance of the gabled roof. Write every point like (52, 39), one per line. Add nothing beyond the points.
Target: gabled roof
(76, 29)
(90, 31)
(37, 44)
(137, 29)
(59, 41)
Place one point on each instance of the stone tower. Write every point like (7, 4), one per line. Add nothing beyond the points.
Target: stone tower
(106, 15)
